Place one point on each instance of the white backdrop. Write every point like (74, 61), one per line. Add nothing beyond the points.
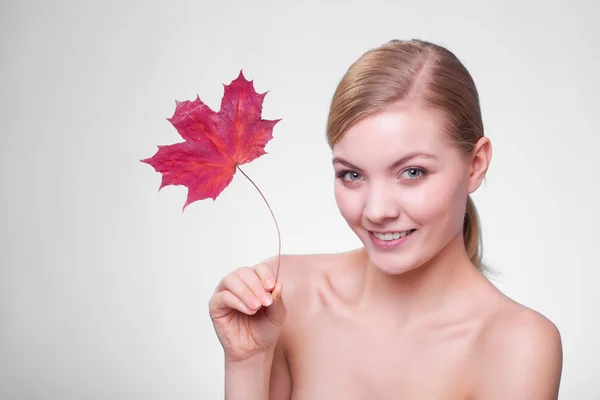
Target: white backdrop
(104, 282)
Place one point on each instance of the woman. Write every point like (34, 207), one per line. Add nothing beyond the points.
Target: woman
(410, 315)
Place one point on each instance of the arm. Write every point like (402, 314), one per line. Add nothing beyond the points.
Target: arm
(520, 358)
(262, 377)
(265, 376)
(281, 381)
(248, 379)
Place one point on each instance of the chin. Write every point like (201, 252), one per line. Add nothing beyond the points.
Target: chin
(392, 264)
(394, 257)
(404, 255)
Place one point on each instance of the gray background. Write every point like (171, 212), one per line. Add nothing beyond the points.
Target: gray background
(104, 283)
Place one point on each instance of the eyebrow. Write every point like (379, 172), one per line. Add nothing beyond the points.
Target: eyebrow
(396, 164)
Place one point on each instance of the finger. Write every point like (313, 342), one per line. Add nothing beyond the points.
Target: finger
(235, 285)
(223, 302)
(277, 312)
(278, 292)
(266, 275)
(251, 279)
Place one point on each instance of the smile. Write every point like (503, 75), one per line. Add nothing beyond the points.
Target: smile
(388, 240)
(392, 235)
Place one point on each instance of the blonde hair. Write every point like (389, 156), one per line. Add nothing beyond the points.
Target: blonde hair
(414, 71)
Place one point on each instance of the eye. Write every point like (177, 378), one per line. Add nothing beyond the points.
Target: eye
(414, 173)
(349, 176)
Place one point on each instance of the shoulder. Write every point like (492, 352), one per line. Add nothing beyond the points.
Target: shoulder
(310, 281)
(519, 355)
(302, 274)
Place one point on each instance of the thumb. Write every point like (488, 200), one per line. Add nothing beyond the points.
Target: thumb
(277, 311)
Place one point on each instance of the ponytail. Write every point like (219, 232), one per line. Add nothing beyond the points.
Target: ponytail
(472, 235)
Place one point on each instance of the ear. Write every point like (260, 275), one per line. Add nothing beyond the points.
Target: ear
(480, 162)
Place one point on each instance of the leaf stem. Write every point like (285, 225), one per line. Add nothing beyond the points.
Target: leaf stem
(274, 219)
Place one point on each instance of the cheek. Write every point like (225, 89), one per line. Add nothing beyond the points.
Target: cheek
(349, 203)
(440, 204)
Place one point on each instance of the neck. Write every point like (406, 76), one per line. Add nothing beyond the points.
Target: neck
(425, 291)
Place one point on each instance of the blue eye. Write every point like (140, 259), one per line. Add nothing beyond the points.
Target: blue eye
(350, 176)
(414, 173)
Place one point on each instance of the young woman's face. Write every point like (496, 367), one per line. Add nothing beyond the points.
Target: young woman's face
(401, 186)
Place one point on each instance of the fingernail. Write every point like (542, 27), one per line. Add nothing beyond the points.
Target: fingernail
(268, 300)
(270, 283)
(254, 303)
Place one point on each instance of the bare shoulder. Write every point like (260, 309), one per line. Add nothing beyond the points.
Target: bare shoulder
(519, 355)
(302, 274)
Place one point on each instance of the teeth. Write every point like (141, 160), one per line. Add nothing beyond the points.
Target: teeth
(391, 236)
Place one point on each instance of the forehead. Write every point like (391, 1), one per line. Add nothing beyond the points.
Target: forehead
(388, 135)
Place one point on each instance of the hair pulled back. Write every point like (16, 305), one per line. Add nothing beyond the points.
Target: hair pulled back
(414, 71)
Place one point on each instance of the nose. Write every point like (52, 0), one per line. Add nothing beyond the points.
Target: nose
(380, 205)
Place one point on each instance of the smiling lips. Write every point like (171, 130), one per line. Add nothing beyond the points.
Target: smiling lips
(390, 239)
(392, 235)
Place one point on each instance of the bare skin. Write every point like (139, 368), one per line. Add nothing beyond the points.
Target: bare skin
(336, 346)
(413, 321)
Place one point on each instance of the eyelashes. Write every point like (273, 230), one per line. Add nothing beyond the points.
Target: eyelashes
(411, 174)
(422, 172)
(343, 173)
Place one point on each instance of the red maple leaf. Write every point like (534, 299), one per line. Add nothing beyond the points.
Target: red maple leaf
(216, 143)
